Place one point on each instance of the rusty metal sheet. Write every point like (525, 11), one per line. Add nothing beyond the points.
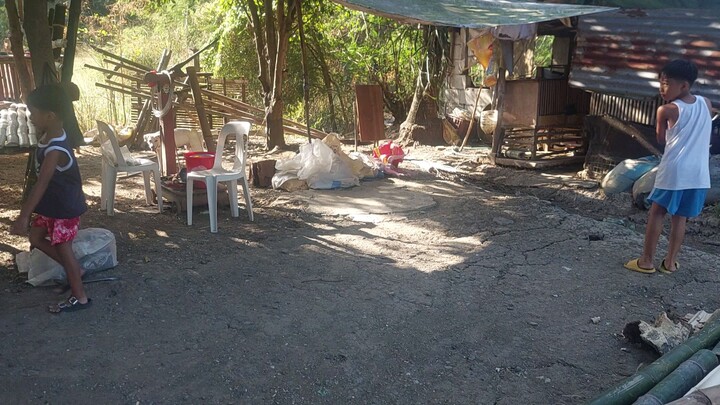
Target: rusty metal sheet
(621, 52)
(370, 118)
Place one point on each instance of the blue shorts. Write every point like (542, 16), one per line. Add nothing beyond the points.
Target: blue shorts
(685, 203)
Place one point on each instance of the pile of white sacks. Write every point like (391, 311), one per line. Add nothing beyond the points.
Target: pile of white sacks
(16, 128)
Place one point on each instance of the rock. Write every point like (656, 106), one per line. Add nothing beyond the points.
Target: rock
(503, 221)
(595, 320)
(663, 335)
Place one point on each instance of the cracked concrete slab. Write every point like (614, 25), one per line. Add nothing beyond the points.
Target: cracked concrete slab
(364, 202)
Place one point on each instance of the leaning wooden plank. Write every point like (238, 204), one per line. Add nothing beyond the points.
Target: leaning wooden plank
(287, 123)
(121, 65)
(123, 90)
(200, 107)
(109, 73)
(120, 58)
(191, 57)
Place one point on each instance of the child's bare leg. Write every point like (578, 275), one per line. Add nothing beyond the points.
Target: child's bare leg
(677, 234)
(652, 235)
(37, 239)
(72, 269)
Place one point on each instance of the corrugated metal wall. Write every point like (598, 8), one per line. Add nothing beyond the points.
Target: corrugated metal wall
(620, 52)
(640, 111)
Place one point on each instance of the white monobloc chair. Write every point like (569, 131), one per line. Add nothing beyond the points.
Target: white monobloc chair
(113, 162)
(218, 174)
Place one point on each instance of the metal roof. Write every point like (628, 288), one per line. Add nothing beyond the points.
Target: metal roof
(469, 13)
(621, 52)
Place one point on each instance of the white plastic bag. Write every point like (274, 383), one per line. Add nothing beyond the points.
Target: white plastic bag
(316, 159)
(318, 165)
(94, 248)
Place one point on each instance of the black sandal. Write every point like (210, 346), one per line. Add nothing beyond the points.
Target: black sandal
(70, 305)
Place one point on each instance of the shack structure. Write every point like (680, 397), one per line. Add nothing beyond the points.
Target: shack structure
(602, 78)
(538, 120)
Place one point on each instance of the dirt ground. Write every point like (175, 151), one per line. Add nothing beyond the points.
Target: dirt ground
(484, 297)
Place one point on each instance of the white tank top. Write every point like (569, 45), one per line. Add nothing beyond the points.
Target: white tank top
(686, 161)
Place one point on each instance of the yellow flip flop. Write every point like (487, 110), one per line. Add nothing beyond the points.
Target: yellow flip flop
(634, 266)
(664, 269)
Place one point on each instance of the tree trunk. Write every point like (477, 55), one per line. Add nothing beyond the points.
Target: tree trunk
(406, 128)
(395, 105)
(272, 37)
(72, 28)
(39, 41)
(16, 44)
(274, 130)
(422, 124)
(327, 81)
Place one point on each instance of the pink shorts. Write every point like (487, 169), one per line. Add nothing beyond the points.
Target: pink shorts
(59, 230)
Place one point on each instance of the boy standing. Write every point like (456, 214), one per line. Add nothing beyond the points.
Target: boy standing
(683, 176)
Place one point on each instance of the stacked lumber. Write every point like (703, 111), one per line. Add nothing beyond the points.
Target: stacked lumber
(125, 76)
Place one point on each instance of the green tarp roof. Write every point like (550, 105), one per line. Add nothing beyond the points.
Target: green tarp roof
(469, 13)
(651, 4)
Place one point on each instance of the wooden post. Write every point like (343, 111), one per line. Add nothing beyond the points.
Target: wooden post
(472, 120)
(500, 107)
(167, 132)
(200, 108)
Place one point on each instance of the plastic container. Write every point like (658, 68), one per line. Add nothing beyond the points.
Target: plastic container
(195, 161)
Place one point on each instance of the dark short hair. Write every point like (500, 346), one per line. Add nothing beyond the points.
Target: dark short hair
(681, 69)
(50, 97)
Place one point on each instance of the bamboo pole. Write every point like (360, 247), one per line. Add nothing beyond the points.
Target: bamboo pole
(682, 379)
(641, 382)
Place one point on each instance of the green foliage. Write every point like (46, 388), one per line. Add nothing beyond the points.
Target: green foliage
(543, 50)
(345, 48)
(4, 29)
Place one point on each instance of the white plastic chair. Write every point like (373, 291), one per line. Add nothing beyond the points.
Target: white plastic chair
(217, 174)
(113, 162)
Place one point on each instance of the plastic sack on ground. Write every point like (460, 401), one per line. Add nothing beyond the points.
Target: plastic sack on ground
(370, 169)
(360, 165)
(318, 165)
(642, 188)
(94, 248)
(621, 178)
(644, 185)
(288, 181)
